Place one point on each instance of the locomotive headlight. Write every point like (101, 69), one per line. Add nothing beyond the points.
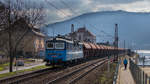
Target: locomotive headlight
(54, 56)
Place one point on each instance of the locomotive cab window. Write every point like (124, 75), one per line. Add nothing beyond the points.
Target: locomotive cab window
(50, 45)
(59, 45)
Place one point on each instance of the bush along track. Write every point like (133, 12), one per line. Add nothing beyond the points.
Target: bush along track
(105, 76)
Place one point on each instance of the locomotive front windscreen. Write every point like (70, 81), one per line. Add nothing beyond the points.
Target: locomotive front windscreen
(50, 45)
(59, 45)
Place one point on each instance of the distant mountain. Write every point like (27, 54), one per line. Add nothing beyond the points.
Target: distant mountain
(134, 27)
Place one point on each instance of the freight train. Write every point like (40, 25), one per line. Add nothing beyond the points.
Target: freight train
(61, 51)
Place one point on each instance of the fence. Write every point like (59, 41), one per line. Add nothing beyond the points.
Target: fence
(2, 61)
(116, 73)
(138, 74)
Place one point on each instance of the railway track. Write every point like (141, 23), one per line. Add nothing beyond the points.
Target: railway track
(49, 76)
(16, 79)
(74, 76)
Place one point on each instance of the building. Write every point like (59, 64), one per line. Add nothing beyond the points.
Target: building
(31, 43)
(35, 46)
(82, 34)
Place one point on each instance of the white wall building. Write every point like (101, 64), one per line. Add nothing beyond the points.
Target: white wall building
(82, 34)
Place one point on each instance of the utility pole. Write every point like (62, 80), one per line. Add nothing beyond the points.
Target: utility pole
(143, 60)
(72, 28)
(72, 31)
(116, 42)
(10, 36)
(108, 63)
(53, 32)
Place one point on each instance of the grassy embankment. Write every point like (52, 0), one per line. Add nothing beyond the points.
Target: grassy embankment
(105, 77)
(3, 66)
(6, 65)
(21, 71)
(27, 61)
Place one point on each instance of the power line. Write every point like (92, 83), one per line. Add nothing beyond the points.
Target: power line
(69, 7)
(60, 10)
(102, 31)
(56, 7)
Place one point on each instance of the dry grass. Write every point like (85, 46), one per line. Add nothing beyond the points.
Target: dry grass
(105, 77)
(22, 71)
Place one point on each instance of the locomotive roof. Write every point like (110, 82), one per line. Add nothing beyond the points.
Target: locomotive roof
(62, 39)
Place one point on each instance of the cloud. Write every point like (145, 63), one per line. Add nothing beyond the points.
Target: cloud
(139, 6)
(136, 6)
(73, 8)
(85, 6)
(64, 13)
(114, 1)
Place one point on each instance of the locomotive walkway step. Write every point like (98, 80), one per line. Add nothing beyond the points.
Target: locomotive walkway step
(125, 76)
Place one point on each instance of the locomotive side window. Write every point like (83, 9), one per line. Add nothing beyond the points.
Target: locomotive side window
(50, 45)
(59, 45)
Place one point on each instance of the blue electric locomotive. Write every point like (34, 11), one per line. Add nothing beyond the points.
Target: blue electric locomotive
(60, 51)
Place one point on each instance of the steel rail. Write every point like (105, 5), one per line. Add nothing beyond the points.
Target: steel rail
(76, 71)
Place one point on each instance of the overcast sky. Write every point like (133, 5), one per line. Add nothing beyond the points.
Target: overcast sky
(58, 10)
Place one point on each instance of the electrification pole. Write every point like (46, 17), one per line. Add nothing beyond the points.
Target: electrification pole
(124, 47)
(116, 42)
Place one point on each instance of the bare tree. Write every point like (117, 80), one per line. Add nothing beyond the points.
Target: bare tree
(15, 10)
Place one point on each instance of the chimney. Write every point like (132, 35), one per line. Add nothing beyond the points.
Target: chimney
(72, 28)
